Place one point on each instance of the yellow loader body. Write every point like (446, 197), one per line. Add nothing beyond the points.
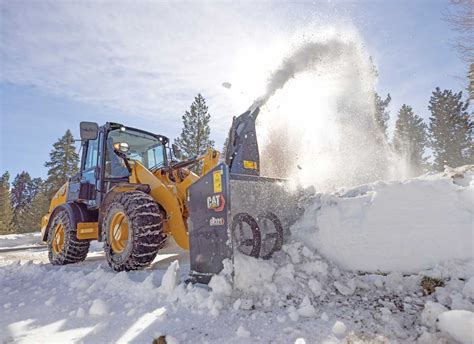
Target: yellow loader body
(169, 194)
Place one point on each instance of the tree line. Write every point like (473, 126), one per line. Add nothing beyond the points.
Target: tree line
(447, 138)
(448, 134)
(24, 200)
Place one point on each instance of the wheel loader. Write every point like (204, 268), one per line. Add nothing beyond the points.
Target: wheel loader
(133, 193)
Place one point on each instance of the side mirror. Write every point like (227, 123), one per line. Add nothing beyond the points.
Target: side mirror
(89, 130)
(177, 151)
(122, 147)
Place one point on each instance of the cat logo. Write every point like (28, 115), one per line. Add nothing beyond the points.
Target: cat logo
(216, 221)
(216, 202)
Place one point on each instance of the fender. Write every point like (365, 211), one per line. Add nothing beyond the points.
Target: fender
(77, 213)
(59, 198)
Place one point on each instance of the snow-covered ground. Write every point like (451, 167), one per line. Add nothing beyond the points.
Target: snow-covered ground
(351, 271)
(20, 240)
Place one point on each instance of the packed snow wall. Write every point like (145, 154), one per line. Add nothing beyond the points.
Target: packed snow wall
(400, 226)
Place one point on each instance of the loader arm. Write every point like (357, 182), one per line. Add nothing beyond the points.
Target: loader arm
(165, 196)
(210, 159)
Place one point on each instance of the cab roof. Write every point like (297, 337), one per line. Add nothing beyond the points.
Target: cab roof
(112, 125)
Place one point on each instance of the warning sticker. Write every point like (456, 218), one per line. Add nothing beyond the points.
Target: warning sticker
(251, 165)
(217, 181)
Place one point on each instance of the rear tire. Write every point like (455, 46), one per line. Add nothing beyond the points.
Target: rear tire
(63, 245)
(132, 231)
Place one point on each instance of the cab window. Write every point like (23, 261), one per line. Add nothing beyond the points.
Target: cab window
(155, 157)
(143, 147)
(92, 154)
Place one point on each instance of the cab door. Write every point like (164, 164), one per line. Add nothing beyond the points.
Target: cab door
(88, 177)
(83, 186)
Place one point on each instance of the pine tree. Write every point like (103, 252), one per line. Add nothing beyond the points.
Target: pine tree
(451, 129)
(30, 219)
(63, 163)
(24, 191)
(382, 115)
(6, 211)
(195, 135)
(459, 15)
(410, 139)
(376, 133)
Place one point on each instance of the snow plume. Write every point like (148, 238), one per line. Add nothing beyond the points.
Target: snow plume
(302, 60)
(317, 121)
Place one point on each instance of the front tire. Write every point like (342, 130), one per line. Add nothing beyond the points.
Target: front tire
(132, 231)
(63, 245)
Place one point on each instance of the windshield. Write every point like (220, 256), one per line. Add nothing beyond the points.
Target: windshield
(145, 148)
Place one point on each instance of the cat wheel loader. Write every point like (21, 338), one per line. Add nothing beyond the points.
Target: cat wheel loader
(133, 193)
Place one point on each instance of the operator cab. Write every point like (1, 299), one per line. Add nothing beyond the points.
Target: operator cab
(106, 153)
(128, 144)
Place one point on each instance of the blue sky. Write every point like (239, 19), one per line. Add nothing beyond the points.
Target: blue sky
(141, 63)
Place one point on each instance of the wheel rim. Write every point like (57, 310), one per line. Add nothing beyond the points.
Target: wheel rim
(272, 229)
(118, 232)
(247, 237)
(58, 239)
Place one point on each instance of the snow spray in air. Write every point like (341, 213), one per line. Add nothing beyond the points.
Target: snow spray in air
(317, 123)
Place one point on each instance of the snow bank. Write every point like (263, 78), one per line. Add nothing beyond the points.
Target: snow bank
(13, 240)
(396, 226)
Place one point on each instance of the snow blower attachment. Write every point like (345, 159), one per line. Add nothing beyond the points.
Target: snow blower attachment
(133, 192)
(233, 208)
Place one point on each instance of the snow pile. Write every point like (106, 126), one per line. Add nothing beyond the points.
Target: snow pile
(242, 332)
(421, 226)
(339, 329)
(98, 308)
(395, 226)
(458, 324)
(67, 304)
(299, 284)
(170, 279)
